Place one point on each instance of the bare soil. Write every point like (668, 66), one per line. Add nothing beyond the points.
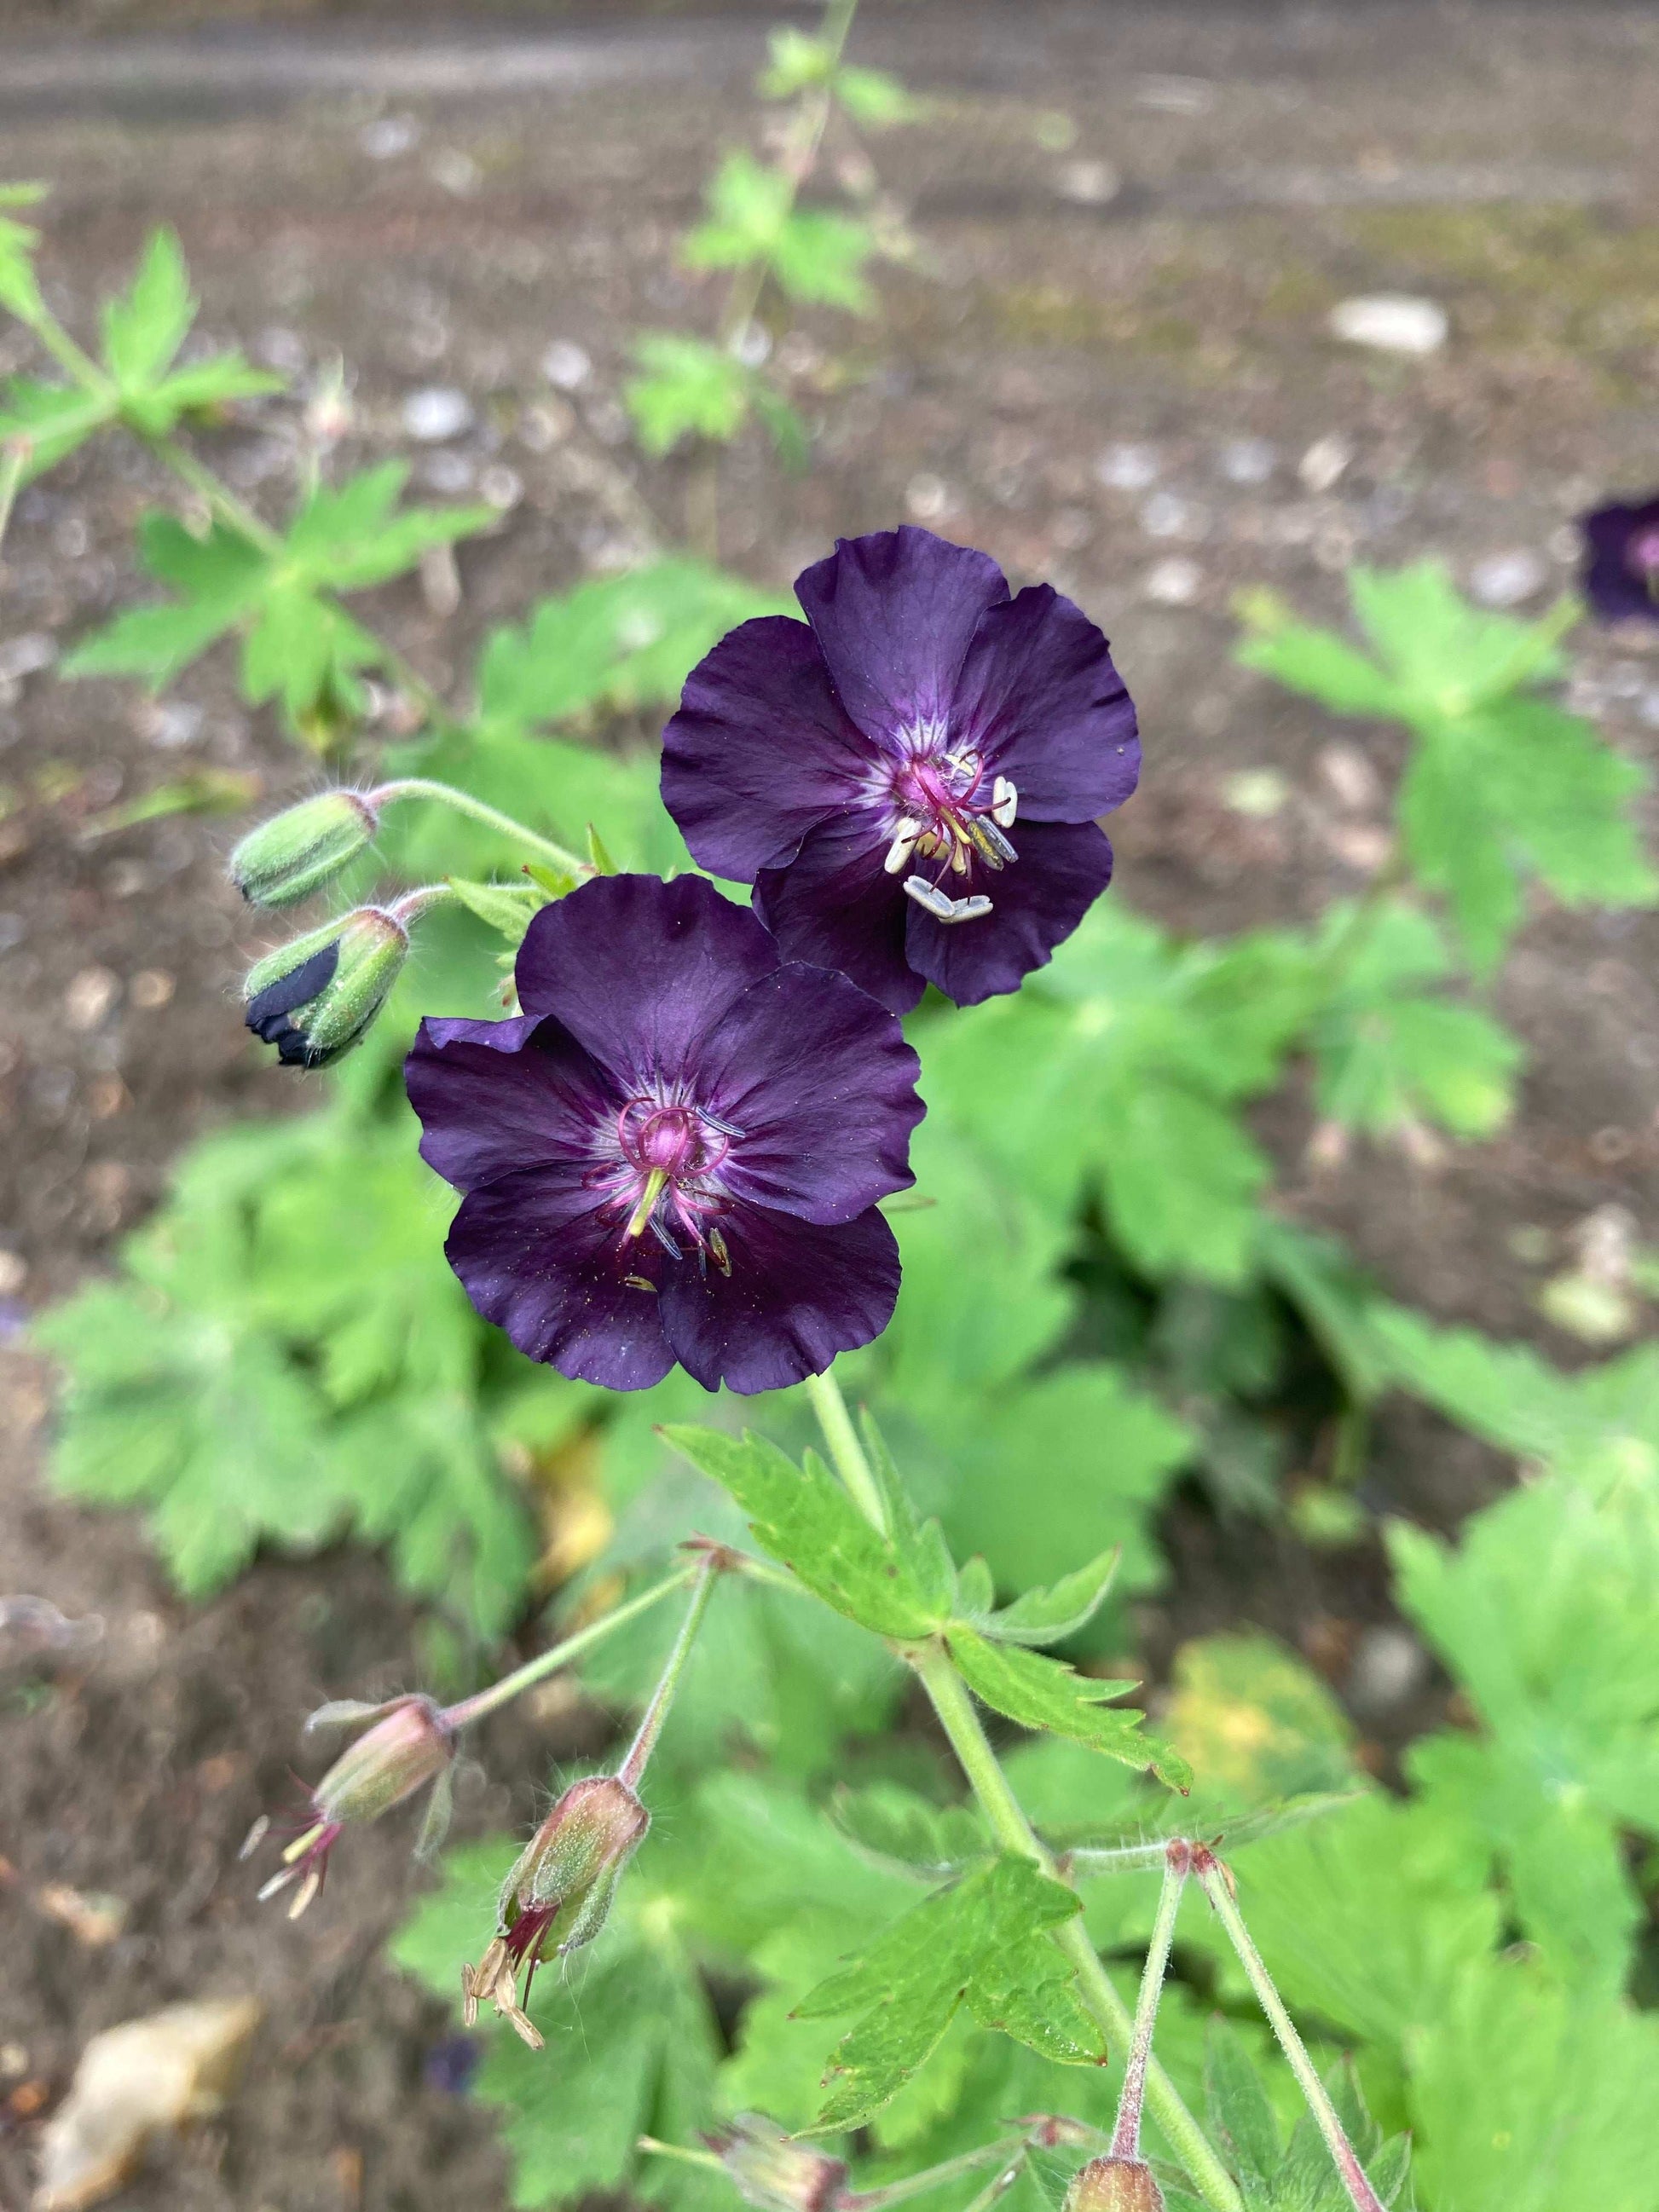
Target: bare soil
(1107, 364)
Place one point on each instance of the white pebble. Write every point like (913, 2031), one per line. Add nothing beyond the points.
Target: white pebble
(1088, 184)
(1247, 461)
(1504, 580)
(1166, 514)
(436, 413)
(392, 135)
(26, 655)
(566, 365)
(1393, 322)
(927, 498)
(1173, 583)
(1128, 468)
(1322, 465)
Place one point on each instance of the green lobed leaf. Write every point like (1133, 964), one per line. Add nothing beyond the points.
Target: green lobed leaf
(145, 328)
(977, 1941)
(1040, 1692)
(686, 387)
(1049, 1616)
(804, 1518)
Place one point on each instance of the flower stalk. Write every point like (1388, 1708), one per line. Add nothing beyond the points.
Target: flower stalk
(960, 1720)
(1216, 1884)
(1125, 2136)
(651, 1725)
(463, 802)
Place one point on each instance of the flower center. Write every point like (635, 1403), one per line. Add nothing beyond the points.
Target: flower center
(947, 813)
(657, 1171)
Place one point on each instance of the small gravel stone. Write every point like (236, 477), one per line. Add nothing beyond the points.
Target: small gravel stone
(1128, 468)
(566, 365)
(1173, 583)
(1391, 322)
(1390, 1667)
(1504, 580)
(1325, 461)
(437, 412)
(1247, 461)
(1088, 184)
(392, 135)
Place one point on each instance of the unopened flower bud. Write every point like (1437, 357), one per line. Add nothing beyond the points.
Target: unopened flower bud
(769, 2168)
(315, 998)
(1115, 2185)
(300, 850)
(410, 1746)
(558, 1894)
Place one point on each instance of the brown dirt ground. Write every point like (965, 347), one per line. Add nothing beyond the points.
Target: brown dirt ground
(1269, 161)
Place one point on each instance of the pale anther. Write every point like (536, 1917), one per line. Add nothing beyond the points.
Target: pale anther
(899, 851)
(1005, 803)
(942, 907)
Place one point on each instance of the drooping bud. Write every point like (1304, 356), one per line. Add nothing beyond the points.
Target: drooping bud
(769, 2168)
(315, 998)
(1115, 2185)
(300, 850)
(558, 1894)
(410, 1746)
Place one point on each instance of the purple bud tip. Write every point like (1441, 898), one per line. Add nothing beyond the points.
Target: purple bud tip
(1115, 2185)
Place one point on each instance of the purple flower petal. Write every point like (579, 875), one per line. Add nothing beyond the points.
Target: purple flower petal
(1063, 868)
(821, 1082)
(894, 614)
(1039, 698)
(1622, 561)
(537, 1257)
(798, 1293)
(760, 750)
(834, 906)
(637, 969)
(497, 1097)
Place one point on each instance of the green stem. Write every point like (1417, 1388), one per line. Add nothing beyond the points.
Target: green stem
(560, 1654)
(412, 905)
(1218, 1888)
(81, 368)
(11, 475)
(932, 2176)
(959, 1718)
(686, 2156)
(1125, 2136)
(846, 1452)
(650, 1727)
(462, 802)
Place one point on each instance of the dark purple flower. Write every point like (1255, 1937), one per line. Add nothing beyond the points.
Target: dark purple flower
(911, 778)
(1621, 560)
(675, 1151)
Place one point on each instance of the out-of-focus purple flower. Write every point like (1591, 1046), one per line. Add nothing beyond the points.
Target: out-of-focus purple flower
(1621, 560)
(411, 1745)
(450, 2064)
(675, 1151)
(911, 778)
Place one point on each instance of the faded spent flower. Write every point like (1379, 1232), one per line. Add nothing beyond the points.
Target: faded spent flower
(411, 1745)
(769, 2169)
(558, 1894)
(675, 1152)
(1115, 2185)
(1621, 560)
(911, 778)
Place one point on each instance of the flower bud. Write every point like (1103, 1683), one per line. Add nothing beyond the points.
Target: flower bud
(558, 1894)
(315, 998)
(769, 2168)
(298, 851)
(1115, 2185)
(410, 1746)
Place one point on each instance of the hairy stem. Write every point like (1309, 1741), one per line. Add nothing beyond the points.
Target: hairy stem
(743, 298)
(846, 1452)
(959, 1718)
(560, 1654)
(1125, 2136)
(1218, 1888)
(932, 2176)
(12, 459)
(462, 802)
(650, 1727)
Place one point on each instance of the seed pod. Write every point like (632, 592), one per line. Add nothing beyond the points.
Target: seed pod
(300, 850)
